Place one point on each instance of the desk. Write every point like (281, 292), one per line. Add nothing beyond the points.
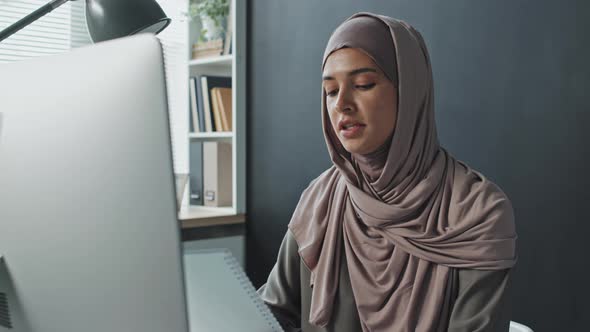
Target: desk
(191, 217)
(208, 229)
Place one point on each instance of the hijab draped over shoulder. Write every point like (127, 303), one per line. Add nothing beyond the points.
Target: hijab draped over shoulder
(405, 216)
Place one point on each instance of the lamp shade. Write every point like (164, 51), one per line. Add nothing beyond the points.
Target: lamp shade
(110, 19)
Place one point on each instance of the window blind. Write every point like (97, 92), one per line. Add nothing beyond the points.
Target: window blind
(174, 43)
(56, 32)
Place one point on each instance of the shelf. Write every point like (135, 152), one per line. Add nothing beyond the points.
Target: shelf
(214, 136)
(234, 66)
(222, 60)
(203, 216)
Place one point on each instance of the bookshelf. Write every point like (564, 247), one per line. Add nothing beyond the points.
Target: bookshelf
(226, 136)
(222, 60)
(231, 65)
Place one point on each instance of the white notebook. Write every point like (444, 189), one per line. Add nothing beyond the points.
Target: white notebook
(221, 297)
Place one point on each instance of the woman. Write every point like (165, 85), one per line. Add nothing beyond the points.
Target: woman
(397, 235)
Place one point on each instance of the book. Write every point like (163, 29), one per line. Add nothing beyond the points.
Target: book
(209, 82)
(224, 102)
(219, 295)
(215, 108)
(200, 105)
(191, 128)
(217, 174)
(206, 54)
(209, 124)
(196, 173)
(193, 105)
(207, 49)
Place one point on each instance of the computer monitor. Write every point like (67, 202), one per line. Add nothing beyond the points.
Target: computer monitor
(88, 223)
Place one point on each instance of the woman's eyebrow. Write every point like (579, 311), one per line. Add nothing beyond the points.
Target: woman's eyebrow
(353, 72)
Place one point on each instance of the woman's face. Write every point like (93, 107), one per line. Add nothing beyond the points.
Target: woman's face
(361, 100)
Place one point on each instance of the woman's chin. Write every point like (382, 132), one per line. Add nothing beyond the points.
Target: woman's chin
(356, 149)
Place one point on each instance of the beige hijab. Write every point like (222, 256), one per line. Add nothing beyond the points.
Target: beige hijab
(408, 215)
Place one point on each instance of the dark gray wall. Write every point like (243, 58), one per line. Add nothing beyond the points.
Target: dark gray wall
(510, 79)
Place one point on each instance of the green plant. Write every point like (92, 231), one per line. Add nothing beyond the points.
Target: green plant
(214, 9)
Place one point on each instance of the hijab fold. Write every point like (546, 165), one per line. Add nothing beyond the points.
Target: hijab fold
(405, 216)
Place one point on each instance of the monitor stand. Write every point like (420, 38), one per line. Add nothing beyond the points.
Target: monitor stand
(11, 314)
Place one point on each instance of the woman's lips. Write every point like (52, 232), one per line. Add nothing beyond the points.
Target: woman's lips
(353, 131)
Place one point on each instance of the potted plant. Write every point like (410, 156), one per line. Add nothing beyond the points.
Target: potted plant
(212, 14)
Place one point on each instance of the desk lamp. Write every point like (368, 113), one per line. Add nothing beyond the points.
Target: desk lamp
(106, 19)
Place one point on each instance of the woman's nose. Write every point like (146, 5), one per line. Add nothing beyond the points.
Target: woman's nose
(343, 101)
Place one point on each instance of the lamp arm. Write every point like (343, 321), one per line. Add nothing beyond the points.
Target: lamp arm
(32, 17)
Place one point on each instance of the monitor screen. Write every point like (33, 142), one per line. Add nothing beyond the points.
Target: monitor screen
(88, 215)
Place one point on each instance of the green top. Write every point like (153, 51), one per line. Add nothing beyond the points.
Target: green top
(480, 305)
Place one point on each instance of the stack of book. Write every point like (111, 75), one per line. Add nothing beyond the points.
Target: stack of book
(208, 49)
(210, 104)
(211, 162)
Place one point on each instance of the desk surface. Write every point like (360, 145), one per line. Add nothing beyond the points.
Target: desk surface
(220, 296)
(192, 217)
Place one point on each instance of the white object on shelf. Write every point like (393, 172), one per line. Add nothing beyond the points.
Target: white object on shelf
(213, 31)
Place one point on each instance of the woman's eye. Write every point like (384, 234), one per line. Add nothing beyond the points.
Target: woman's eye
(331, 93)
(334, 92)
(366, 87)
